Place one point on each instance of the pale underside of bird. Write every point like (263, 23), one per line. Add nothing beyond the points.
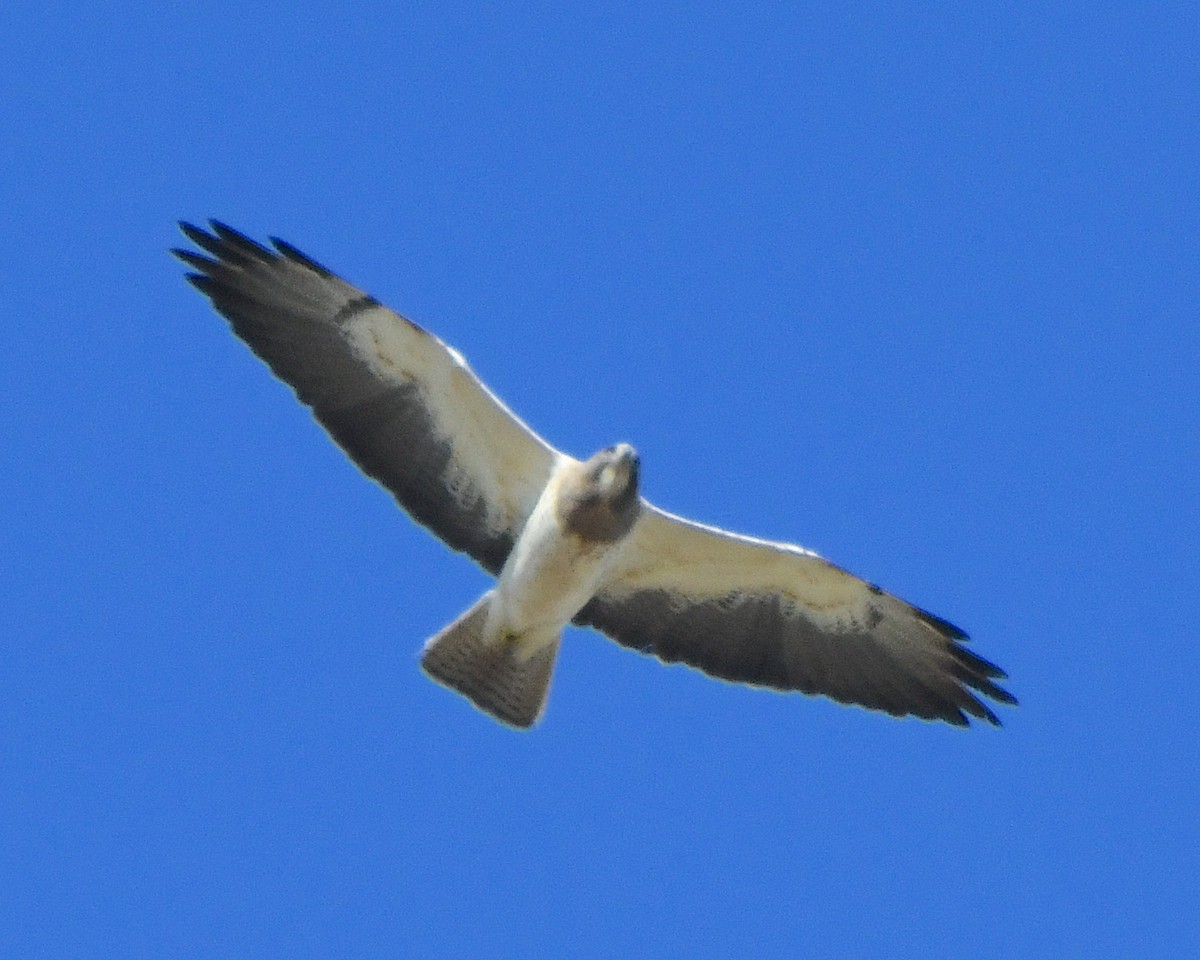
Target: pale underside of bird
(569, 541)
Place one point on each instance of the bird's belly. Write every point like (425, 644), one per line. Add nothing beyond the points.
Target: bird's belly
(548, 578)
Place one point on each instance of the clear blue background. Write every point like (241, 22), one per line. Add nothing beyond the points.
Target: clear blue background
(912, 284)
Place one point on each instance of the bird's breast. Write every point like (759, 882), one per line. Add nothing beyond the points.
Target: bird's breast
(550, 574)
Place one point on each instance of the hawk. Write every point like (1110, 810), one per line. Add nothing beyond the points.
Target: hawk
(569, 541)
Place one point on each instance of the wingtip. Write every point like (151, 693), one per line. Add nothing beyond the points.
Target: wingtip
(193, 259)
(968, 709)
(1003, 696)
(296, 256)
(193, 232)
(201, 282)
(990, 717)
(944, 627)
(240, 242)
(228, 244)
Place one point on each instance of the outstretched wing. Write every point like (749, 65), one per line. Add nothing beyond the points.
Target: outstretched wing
(777, 615)
(405, 406)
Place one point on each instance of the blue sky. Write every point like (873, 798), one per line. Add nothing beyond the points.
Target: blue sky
(912, 284)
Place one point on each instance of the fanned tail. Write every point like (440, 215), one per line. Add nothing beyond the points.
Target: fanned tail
(495, 676)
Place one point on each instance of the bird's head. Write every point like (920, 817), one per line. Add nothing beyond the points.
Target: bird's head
(613, 473)
(599, 497)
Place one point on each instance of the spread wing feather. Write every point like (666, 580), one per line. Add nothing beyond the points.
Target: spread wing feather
(779, 616)
(405, 407)
(410, 412)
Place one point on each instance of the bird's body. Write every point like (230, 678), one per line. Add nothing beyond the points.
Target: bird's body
(555, 567)
(569, 541)
(502, 657)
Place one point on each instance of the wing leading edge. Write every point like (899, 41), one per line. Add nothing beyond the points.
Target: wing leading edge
(404, 406)
(779, 616)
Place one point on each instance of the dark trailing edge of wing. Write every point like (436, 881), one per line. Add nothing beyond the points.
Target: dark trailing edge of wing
(291, 310)
(751, 640)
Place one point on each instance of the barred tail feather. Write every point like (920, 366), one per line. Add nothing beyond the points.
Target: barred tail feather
(495, 677)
